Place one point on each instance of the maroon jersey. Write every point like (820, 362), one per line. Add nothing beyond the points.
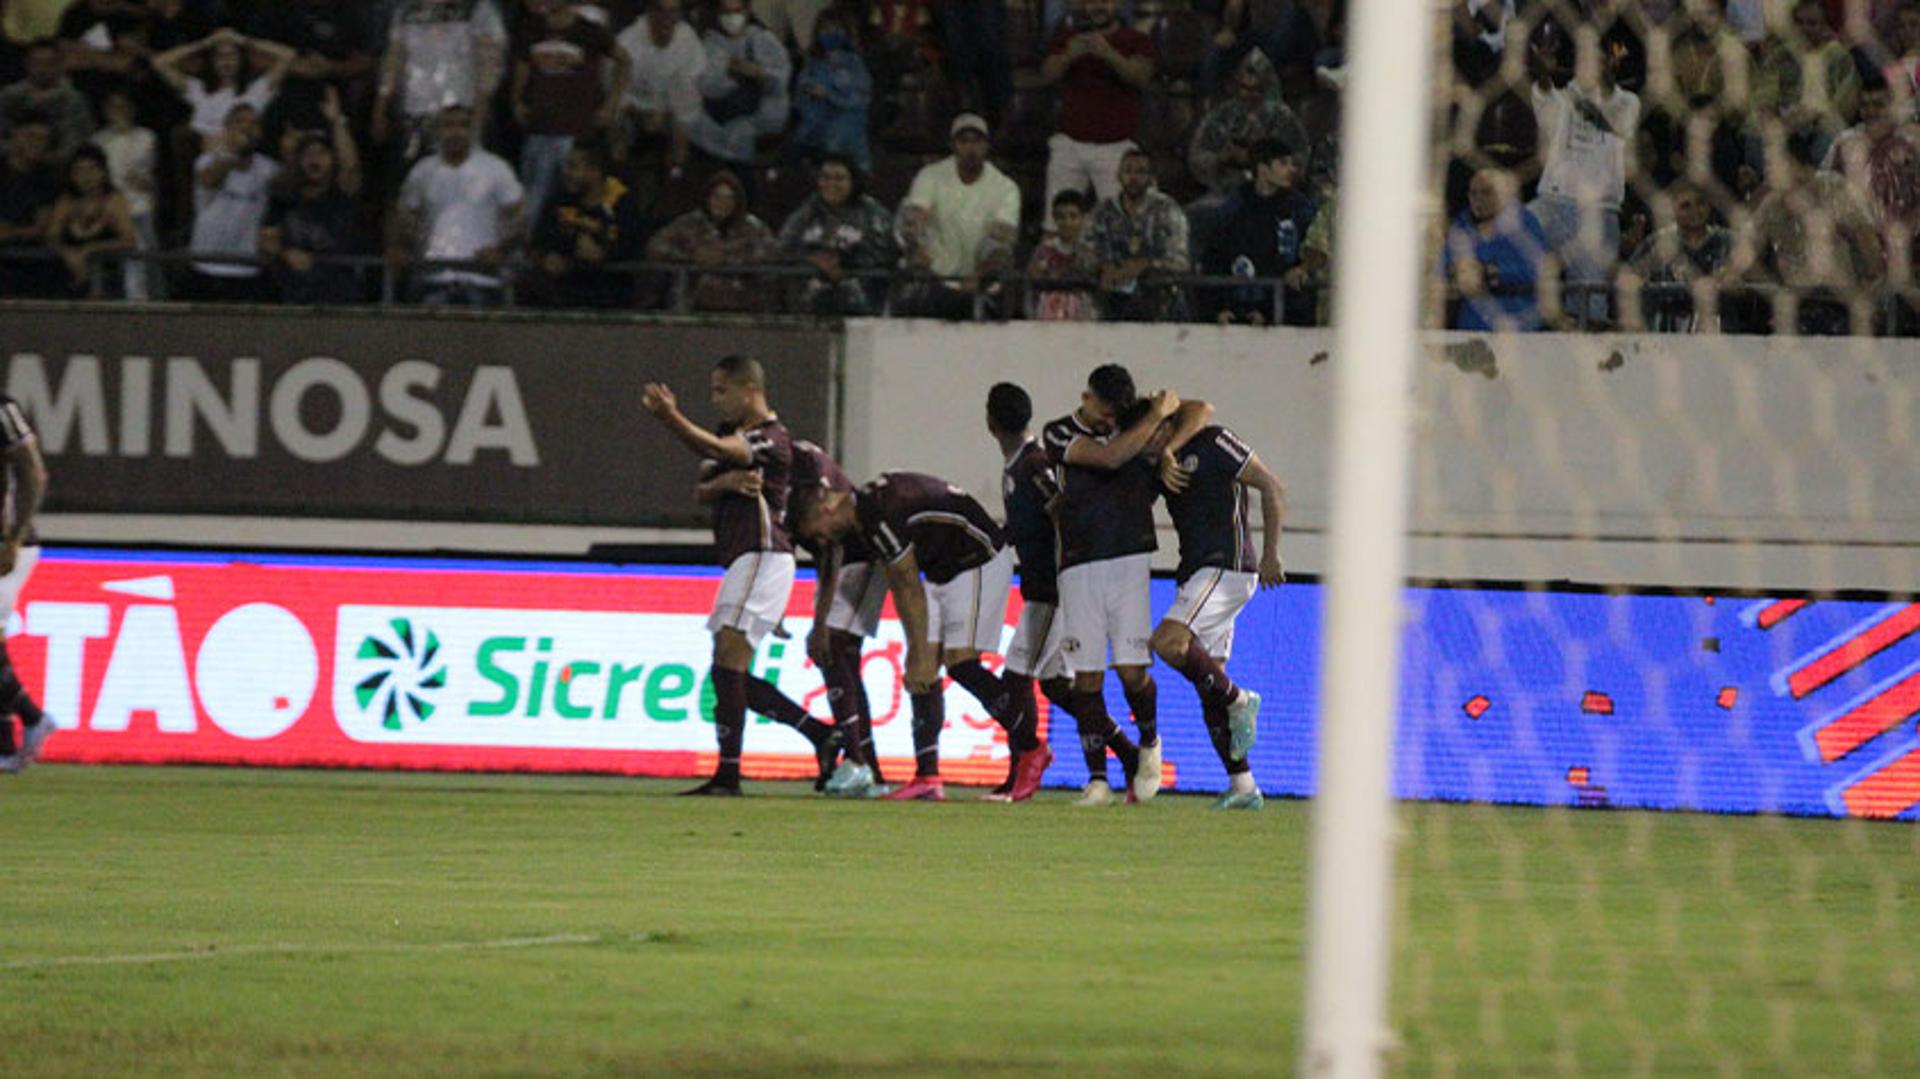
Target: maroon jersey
(1211, 514)
(948, 531)
(14, 430)
(743, 523)
(1027, 486)
(814, 468)
(1104, 513)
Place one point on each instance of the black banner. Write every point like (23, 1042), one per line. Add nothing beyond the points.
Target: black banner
(435, 416)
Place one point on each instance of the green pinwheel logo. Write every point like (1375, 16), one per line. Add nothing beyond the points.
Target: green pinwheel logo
(404, 674)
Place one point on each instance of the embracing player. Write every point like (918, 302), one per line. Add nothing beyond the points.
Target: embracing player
(1206, 493)
(918, 525)
(749, 459)
(1104, 512)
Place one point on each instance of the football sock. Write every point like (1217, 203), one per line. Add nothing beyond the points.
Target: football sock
(8, 747)
(1099, 732)
(729, 721)
(1222, 737)
(1145, 702)
(986, 688)
(852, 702)
(929, 716)
(1023, 712)
(765, 698)
(1208, 676)
(14, 698)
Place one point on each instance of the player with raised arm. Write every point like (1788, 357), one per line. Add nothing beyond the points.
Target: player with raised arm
(749, 459)
(1205, 485)
(918, 525)
(1028, 489)
(1105, 516)
(23, 482)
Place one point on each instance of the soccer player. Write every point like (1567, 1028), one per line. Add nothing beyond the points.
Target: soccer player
(847, 602)
(918, 525)
(1105, 518)
(749, 460)
(23, 481)
(1028, 489)
(1218, 575)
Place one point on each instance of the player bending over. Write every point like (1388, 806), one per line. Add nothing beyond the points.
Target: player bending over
(745, 478)
(918, 525)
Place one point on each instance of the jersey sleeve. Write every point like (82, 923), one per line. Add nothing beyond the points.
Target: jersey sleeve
(1057, 438)
(14, 428)
(888, 543)
(1232, 452)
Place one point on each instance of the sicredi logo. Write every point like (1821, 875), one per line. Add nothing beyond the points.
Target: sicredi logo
(407, 674)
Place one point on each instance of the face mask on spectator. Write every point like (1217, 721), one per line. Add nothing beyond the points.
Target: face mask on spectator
(733, 22)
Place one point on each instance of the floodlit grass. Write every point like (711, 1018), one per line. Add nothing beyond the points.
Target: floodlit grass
(244, 922)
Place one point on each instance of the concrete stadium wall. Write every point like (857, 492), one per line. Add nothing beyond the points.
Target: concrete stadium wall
(1648, 460)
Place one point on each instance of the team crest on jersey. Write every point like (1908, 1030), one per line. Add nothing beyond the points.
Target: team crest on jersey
(1006, 485)
(1190, 463)
(1070, 644)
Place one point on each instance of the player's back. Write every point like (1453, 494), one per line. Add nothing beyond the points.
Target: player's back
(1103, 513)
(1211, 515)
(1027, 486)
(949, 530)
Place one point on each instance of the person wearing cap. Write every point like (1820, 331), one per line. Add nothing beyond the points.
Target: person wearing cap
(1103, 68)
(315, 210)
(958, 222)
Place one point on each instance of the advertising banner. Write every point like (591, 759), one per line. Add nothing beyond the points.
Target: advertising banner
(1722, 704)
(403, 416)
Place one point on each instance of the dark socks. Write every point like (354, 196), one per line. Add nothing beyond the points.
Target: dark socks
(765, 698)
(851, 706)
(1145, 702)
(1222, 738)
(1023, 712)
(929, 716)
(1002, 701)
(1209, 678)
(729, 722)
(1098, 733)
(14, 698)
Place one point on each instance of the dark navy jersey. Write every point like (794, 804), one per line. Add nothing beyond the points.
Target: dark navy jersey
(1104, 513)
(815, 469)
(1026, 487)
(744, 523)
(948, 530)
(1211, 514)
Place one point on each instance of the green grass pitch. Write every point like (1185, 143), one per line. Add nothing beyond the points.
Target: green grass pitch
(252, 922)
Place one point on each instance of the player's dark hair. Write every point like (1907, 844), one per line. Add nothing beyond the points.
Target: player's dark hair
(1134, 413)
(1009, 407)
(741, 367)
(1113, 384)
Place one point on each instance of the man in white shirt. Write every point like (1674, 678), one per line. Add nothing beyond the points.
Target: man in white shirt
(1586, 128)
(959, 221)
(663, 94)
(463, 204)
(230, 189)
(439, 53)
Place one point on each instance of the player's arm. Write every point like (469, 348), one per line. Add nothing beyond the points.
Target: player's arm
(1116, 452)
(665, 407)
(826, 583)
(25, 464)
(910, 600)
(1273, 516)
(715, 486)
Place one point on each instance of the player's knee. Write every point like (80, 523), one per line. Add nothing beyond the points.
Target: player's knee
(1087, 681)
(953, 657)
(1133, 678)
(1170, 643)
(731, 650)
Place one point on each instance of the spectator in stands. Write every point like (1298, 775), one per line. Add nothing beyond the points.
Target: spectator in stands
(1806, 82)
(1316, 254)
(1479, 30)
(1690, 253)
(833, 95)
(46, 90)
(1902, 60)
(1700, 115)
(1103, 71)
(230, 190)
(1262, 238)
(1880, 158)
(332, 48)
(792, 20)
(461, 204)
(896, 45)
(1138, 234)
(229, 60)
(1065, 255)
(439, 53)
(1814, 236)
(958, 222)
(663, 95)
(743, 88)
(132, 153)
(839, 230)
(1217, 156)
(568, 80)
(29, 187)
(90, 220)
(103, 45)
(1285, 32)
(317, 213)
(594, 222)
(720, 233)
(974, 33)
(1586, 125)
(1495, 259)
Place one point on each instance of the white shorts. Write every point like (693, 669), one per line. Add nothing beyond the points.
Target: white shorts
(1035, 651)
(1105, 605)
(970, 611)
(858, 597)
(12, 583)
(753, 597)
(1209, 602)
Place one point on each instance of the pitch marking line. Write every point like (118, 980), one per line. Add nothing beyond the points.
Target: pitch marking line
(230, 951)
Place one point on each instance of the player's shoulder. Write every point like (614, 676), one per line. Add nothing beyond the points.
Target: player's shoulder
(1061, 433)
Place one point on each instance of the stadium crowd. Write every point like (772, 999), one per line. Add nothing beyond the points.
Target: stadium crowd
(1675, 165)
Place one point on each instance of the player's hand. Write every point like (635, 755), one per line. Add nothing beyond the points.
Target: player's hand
(1272, 573)
(1172, 476)
(923, 670)
(1165, 403)
(659, 400)
(819, 645)
(741, 482)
